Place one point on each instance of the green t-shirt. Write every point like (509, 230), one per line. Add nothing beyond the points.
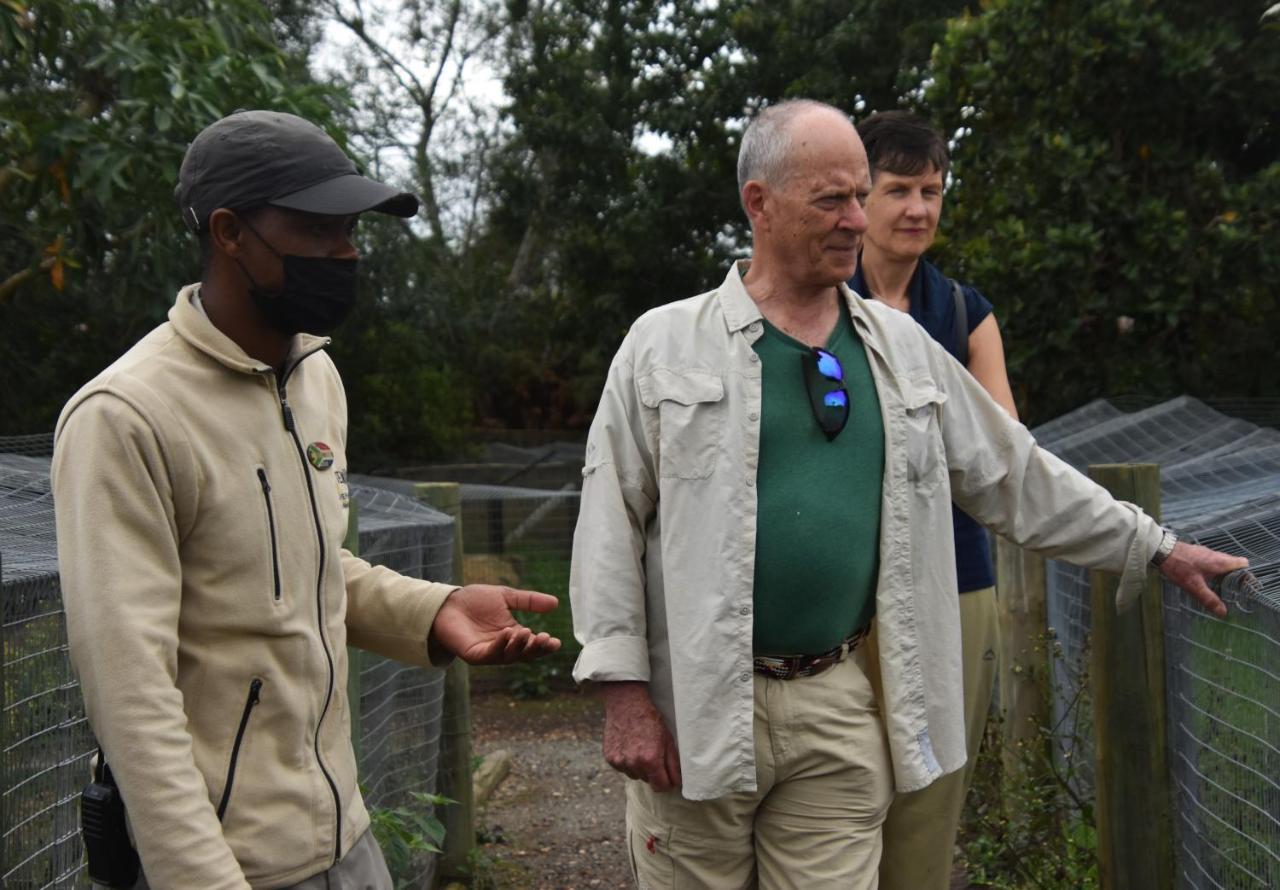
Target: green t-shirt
(818, 533)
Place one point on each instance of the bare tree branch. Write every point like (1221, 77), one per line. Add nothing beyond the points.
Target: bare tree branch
(423, 85)
(11, 284)
(387, 60)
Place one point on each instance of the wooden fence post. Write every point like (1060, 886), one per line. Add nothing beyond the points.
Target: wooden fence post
(1134, 809)
(455, 722)
(1025, 668)
(352, 544)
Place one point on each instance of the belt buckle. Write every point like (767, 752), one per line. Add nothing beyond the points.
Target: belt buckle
(820, 664)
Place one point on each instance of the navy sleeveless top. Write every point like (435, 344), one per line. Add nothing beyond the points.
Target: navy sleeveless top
(933, 305)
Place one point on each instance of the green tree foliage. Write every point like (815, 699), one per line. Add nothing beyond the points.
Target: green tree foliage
(596, 229)
(1116, 160)
(857, 54)
(1119, 160)
(407, 395)
(411, 357)
(98, 102)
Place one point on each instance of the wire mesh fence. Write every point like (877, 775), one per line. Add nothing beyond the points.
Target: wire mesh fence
(1220, 486)
(36, 445)
(523, 537)
(520, 536)
(399, 735)
(47, 742)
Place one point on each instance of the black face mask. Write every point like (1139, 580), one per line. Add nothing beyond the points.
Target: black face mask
(317, 295)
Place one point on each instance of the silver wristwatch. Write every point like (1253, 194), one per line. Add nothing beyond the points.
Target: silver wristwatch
(1167, 540)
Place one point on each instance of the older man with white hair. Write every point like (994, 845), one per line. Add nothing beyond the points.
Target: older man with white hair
(771, 471)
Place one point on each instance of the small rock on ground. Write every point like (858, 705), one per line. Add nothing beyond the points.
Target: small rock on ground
(557, 821)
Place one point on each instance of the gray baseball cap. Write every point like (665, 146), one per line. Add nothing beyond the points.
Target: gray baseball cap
(253, 158)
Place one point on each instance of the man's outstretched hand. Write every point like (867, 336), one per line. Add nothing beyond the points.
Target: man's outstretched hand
(1191, 567)
(475, 623)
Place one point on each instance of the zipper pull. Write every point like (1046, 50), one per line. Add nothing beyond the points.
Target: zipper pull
(284, 407)
(254, 688)
(262, 477)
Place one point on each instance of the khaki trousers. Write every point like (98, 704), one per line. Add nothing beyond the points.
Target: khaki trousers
(363, 868)
(920, 831)
(824, 782)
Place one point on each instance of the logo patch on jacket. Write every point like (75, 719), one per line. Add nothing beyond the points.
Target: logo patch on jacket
(320, 455)
(344, 490)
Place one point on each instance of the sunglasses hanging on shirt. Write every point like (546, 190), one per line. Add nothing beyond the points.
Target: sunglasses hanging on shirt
(824, 381)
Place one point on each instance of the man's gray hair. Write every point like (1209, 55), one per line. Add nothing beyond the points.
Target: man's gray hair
(767, 140)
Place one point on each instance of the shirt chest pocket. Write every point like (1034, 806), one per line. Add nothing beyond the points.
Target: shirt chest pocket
(926, 457)
(690, 410)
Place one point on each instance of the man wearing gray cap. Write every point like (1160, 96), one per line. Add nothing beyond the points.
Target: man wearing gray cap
(202, 500)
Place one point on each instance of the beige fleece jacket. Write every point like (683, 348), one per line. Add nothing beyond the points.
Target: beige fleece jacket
(209, 603)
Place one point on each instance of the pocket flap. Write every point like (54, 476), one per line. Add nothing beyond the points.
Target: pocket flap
(684, 387)
(921, 393)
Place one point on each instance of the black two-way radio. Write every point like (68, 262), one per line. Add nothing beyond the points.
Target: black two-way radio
(112, 860)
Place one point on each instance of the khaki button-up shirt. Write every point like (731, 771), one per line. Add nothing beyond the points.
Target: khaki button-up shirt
(664, 552)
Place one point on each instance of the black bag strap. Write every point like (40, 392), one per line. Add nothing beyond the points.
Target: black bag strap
(961, 325)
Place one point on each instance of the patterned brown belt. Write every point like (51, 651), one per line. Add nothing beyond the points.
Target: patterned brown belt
(787, 667)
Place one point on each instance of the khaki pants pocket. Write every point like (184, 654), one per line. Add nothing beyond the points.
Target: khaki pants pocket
(675, 844)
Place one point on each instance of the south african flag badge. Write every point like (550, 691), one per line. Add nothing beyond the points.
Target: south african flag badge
(320, 455)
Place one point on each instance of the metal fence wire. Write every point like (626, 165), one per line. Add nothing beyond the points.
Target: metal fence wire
(1220, 479)
(521, 536)
(400, 705)
(1220, 487)
(47, 742)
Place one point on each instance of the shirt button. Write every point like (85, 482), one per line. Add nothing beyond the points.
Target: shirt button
(751, 481)
(753, 416)
(744, 676)
(744, 611)
(754, 357)
(755, 326)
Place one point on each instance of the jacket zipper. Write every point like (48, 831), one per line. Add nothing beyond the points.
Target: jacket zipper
(271, 527)
(289, 424)
(254, 688)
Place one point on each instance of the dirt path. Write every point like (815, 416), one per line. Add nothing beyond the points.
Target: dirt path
(556, 822)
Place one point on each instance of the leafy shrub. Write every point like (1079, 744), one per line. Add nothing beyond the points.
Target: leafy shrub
(1029, 821)
(408, 833)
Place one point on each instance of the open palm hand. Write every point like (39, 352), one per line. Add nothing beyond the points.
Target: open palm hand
(475, 624)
